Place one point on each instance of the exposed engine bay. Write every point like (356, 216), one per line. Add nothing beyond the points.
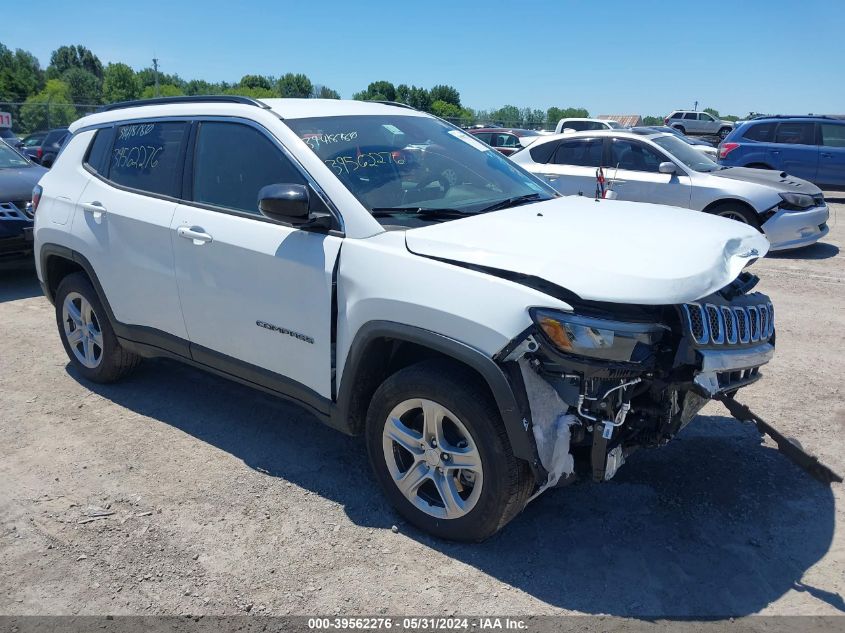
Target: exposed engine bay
(622, 377)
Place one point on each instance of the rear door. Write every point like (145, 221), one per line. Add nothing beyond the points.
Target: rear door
(123, 217)
(571, 169)
(690, 123)
(506, 143)
(795, 150)
(256, 295)
(832, 154)
(633, 172)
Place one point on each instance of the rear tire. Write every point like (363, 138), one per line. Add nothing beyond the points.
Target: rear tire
(681, 129)
(736, 212)
(87, 334)
(443, 395)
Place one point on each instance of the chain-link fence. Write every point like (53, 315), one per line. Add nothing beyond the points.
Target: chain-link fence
(30, 117)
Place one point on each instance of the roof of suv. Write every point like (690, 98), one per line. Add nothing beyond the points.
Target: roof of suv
(284, 108)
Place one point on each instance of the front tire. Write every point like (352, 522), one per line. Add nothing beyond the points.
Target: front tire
(723, 133)
(738, 213)
(440, 452)
(87, 334)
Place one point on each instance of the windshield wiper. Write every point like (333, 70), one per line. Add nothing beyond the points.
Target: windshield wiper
(384, 212)
(510, 202)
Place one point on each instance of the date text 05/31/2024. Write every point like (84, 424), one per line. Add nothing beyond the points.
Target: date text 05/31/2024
(418, 623)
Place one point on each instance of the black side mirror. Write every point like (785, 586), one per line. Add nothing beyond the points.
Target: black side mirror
(285, 203)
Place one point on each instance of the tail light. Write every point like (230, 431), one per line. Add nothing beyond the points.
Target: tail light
(727, 148)
(36, 197)
(39, 153)
(666, 120)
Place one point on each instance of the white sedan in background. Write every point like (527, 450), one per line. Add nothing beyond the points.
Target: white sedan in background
(643, 166)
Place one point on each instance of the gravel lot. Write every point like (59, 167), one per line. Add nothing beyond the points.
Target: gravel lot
(177, 492)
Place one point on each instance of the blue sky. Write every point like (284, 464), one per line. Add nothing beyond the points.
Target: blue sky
(611, 57)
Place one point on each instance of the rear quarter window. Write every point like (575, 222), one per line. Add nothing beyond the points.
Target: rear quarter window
(148, 156)
(98, 153)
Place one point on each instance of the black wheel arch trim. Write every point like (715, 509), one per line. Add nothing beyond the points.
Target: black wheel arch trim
(516, 422)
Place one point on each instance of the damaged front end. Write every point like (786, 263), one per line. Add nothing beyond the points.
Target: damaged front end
(606, 379)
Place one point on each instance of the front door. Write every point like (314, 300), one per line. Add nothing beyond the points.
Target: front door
(256, 295)
(633, 172)
(832, 155)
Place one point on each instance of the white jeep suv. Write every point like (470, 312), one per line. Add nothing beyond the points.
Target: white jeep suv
(489, 338)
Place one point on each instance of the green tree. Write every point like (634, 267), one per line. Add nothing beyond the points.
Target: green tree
(296, 85)
(120, 83)
(381, 91)
(66, 57)
(712, 111)
(84, 88)
(652, 120)
(256, 81)
(554, 114)
(418, 98)
(324, 92)
(146, 77)
(255, 93)
(445, 93)
(51, 107)
(20, 77)
(164, 90)
(507, 115)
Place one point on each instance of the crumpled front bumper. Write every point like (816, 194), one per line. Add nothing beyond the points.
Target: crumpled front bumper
(730, 369)
(794, 229)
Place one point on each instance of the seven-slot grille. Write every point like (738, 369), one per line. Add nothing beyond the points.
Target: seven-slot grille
(16, 210)
(711, 324)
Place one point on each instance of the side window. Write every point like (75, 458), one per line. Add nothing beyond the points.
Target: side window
(578, 126)
(542, 152)
(796, 133)
(98, 152)
(582, 153)
(703, 116)
(627, 154)
(763, 132)
(833, 135)
(677, 115)
(232, 162)
(505, 140)
(486, 137)
(148, 156)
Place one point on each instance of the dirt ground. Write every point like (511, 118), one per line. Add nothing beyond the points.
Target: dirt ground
(178, 492)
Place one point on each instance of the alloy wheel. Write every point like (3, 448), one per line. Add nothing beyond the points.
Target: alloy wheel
(82, 330)
(432, 458)
(733, 215)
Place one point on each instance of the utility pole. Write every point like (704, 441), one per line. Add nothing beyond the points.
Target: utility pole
(155, 74)
(695, 107)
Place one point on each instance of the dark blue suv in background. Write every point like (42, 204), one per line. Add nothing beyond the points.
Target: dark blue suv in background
(808, 147)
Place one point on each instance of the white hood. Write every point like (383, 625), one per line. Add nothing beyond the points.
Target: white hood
(619, 252)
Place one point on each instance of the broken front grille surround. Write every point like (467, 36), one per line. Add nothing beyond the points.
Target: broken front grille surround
(709, 324)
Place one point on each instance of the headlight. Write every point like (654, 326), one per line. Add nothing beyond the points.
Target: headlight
(796, 201)
(598, 338)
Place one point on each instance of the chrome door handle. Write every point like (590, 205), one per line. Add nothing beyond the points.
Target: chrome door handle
(826, 155)
(94, 208)
(195, 234)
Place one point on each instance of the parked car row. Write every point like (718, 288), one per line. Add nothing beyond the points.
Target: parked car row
(643, 165)
(18, 177)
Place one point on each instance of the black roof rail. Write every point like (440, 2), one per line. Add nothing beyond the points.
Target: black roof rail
(185, 99)
(798, 116)
(395, 103)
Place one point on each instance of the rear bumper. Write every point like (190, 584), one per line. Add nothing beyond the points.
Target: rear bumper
(786, 230)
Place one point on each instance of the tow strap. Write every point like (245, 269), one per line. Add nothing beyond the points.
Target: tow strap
(792, 450)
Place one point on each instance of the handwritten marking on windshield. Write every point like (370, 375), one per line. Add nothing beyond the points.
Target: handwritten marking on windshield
(135, 130)
(347, 164)
(315, 140)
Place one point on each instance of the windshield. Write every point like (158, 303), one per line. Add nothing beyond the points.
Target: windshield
(416, 163)
(685, 153)
(614, 125)
(9, 158)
